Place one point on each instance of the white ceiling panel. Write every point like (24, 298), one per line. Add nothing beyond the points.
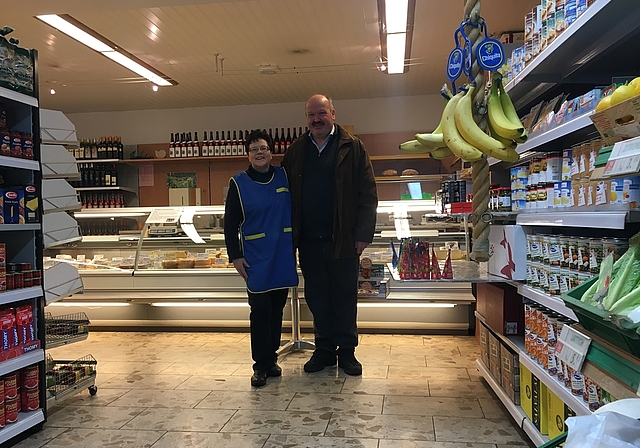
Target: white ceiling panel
(328, 46)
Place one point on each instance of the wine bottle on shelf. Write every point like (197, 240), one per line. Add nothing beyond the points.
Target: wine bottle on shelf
(228, 145)
(189, 145)
(272, 140)
(120, 149)
(216, 145)
(196, 145)
(114, 175)
(234, 144)
(283, 141)
(183, 145)
(288, 140)
(108, 153)
(276, 143)
(107, 176)
(172, 147)
(205, 146)
(241, 139)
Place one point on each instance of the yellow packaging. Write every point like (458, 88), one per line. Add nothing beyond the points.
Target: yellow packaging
(555, 415)
(525, 391)
(539, 411)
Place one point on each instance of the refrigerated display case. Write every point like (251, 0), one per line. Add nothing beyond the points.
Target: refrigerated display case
(170, 269)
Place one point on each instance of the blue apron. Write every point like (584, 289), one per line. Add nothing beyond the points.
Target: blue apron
(265, 233)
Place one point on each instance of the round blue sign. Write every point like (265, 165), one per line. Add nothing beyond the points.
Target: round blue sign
(454, 64)
(490, 54)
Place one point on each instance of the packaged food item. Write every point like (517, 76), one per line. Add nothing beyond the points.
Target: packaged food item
(11, 409)
(7, 55)
(23, 71)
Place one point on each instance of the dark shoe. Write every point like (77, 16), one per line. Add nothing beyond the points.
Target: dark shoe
(349, 363)
(259, 378)
(274, 370)
(319, 360)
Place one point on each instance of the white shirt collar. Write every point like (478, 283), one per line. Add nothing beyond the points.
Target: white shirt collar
(326, 141)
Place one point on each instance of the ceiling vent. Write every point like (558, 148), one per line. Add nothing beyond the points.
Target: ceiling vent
(268, 69)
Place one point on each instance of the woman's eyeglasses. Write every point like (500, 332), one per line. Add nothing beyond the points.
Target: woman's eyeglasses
(260, 148)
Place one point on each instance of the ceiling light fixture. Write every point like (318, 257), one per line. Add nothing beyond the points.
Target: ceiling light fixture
(154, 88)
(52, 91)
(396, 33)
(85, 35)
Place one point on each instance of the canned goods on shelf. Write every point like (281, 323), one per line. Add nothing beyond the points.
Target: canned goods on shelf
(564, 249)
(545, 249)
(617, 246)
(555, 252)
(583, 254)
(595, 255)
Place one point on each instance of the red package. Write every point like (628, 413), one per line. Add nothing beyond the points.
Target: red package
(435, 266)
(11, 386)
(447, 272)
(24, 321)
(30, 377)
(11, 408)
(30, 400)
(425, 260)
(415, 261)
(7, 320)
(404, 266)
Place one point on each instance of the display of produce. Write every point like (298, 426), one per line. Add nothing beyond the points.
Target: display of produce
(617, 94)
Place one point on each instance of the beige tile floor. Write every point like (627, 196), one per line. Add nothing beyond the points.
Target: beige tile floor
(173, 390)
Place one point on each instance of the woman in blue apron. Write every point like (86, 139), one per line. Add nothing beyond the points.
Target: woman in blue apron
(257, 233)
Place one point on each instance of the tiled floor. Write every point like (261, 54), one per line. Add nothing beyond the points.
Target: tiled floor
(173, 390)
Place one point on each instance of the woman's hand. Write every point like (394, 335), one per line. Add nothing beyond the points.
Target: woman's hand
(240, 264)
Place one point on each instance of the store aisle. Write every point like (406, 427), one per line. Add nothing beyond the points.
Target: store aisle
(173, 390)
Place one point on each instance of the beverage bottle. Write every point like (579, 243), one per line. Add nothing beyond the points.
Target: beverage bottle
(228, 144)
(114, 175)
(189, 145)
(276, 143)
(300, 131)
(108, 148)
(288, 140)
(216, 149)
(107, 177)
(102, 148)
(234, 144)
(120, 149)
(212, 144)
(172, 147)
(271, 136)
(205, 146)
(183, 145)
(196, 146)
(294, 137)
(241, 140)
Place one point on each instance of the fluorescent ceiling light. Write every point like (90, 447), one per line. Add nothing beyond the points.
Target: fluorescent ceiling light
(395, 52)
(73, 31)
(201, 304)
(396, 15)
(72, 28)
(89, 304)
(136, 68)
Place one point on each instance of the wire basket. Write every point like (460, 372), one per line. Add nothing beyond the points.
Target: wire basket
(63, 375)
(61, 330)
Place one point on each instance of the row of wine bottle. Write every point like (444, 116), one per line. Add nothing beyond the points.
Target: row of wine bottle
(183, 145)
(97, 175)
(104, 148)
(102, 199)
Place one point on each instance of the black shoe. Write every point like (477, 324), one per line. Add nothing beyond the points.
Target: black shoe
(349, 363)
(259, 378)
(274, 370)
(319, 360)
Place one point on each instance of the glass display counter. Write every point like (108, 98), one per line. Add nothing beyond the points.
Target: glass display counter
(168, 267)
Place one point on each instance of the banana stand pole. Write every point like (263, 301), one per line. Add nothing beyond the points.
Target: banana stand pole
(480, 169)
(296, 343)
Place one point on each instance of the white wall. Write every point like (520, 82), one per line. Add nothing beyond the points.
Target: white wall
(369, 116)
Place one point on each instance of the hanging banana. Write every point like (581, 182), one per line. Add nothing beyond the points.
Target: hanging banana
(452, 137)
(499, 122)
(509, 110)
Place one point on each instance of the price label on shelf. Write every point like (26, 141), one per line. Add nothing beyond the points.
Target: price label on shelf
(164, 216)
(624, 159)
(572, 347)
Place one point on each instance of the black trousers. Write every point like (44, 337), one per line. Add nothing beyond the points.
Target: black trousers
(331, 292)
(266, 326)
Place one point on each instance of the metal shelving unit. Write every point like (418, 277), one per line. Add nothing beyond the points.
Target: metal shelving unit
(67, 378)
(66, 329)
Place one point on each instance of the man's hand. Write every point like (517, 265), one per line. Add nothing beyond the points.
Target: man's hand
(361, 246)
(240, 264)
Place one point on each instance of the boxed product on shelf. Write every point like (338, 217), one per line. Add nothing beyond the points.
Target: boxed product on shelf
(373, 288)
(618, 122)
(31, 204)
(14, 206)
(494, 357)
(526, 391)
(556, 415)
(501, 307)
(506, 260)
(539, 405)
(368, 270)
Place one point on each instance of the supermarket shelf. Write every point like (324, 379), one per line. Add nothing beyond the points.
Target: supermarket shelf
(18, 227)
(16, 295)
(416, 178)
(86, 161)
(72, 390)
(242, 157)
(554, 303)
(25, 421)
(589, 217)
(19, 97)
(575, 403)
(515, 343)
(20, 362)
(118, 212)
(48, 141)
(14, 162)
(118, 188)
(516, 411)
(402, 156)
(596, 32)
(70, 340)
(477, 274)
(582, 123)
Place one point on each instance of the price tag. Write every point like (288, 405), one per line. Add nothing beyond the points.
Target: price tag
(572, 347)
(164, 216)
(625, 158)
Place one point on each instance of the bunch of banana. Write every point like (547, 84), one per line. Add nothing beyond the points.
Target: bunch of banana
(503, 118)
(432, 143)
(476, 137)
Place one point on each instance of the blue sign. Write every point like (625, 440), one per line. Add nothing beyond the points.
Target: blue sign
(454, 64)
(490, 54)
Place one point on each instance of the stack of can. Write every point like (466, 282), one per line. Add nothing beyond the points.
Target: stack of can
(543, 173)
(542, 329)
(519, 184)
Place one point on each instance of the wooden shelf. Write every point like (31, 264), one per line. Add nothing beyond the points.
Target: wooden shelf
(418, 178)
(242, 157)
(401, 156)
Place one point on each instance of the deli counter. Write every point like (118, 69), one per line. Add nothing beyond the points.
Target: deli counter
(166, 268)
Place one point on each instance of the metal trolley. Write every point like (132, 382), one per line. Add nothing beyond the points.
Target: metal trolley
(66, 378)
